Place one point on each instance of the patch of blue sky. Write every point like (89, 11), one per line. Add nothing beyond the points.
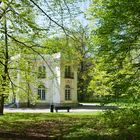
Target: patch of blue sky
(83, 7)
(69, 21)
(63, 17)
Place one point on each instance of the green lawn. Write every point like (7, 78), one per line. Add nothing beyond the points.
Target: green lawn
(110, 125)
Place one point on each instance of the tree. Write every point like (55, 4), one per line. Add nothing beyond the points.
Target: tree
(10, 45)
(82, 47)
(22, 33)
(116, 42)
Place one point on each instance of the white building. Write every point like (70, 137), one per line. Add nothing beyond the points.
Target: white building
(50, 80)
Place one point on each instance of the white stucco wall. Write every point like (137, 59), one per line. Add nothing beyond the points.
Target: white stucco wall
(72, 82)
(54, 82)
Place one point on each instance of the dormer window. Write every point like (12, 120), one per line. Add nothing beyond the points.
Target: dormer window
(41, 72)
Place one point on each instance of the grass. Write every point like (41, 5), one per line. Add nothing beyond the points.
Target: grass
(9, 117)
(122, 124)
(52, 125)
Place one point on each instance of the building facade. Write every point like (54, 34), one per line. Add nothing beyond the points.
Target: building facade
(50, 80)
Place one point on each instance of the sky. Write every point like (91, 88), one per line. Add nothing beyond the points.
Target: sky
(84, 6)
(55, 14)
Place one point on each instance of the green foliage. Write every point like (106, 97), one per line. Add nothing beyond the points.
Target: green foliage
(100, 80)
(116, 47)
(124, 122)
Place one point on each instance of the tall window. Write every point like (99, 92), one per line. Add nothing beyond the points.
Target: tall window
(67, 92)
(41, 92)
(41, 72)
(68, 73)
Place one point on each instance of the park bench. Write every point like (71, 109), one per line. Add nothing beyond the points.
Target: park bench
(62, 108)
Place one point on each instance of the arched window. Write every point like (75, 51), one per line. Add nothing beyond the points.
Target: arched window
(41, 72)
(67, 92)
(41, 92)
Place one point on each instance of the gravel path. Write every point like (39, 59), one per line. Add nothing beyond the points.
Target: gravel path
(27, 110)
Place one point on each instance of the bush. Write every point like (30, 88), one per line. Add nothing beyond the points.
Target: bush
(124, 123)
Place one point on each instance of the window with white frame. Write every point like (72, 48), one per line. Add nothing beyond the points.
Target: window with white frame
(67, 93)
(41, 92)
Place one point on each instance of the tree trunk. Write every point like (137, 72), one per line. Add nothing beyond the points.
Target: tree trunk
(5, 69)
(1, 104)
(5, 72)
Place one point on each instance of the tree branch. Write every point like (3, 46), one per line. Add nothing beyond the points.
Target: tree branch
(62, 27)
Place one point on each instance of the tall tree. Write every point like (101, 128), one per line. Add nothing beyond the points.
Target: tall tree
(12, 26)
(82, 47)
(116, 43)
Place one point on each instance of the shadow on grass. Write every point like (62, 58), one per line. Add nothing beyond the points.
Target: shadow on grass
(12, 136)
(122, 124)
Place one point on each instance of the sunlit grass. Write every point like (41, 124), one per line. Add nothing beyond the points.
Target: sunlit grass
(44, 116)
